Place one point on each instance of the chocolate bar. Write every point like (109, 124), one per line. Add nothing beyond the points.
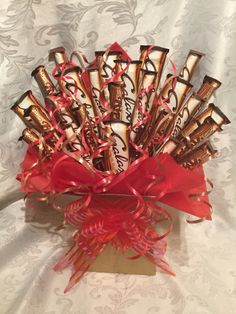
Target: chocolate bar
(96, 91)
(174, 92)
(58, 55)
(130, 80)
(208, 87)
(190, 64)
(169, 146)
(23, 103)
(202, 133)
(116, 95)
(198, 156)
(143, 102)
(188, 110)
(117, 156)
(44, 82)
(106, 65)
(43, 124)
(30, 137)
(66, 121)
(153, 59)
(211, 111)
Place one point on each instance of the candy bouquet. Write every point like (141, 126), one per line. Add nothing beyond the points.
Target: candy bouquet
(126, 141)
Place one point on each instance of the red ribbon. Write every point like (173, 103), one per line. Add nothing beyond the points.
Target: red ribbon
(125, 213)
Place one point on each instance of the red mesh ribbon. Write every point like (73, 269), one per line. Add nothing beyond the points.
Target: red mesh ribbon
(125, 215)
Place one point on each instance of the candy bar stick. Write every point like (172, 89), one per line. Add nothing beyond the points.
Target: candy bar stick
(106, 67)
(153, 59)
(198, 156)
(190, 64)
(42, 123)
(130, 83)
(44, 82)
(23, 103)
(211, 111)
(142, 101)
(117, 157)
(202, 133)
(30, 137)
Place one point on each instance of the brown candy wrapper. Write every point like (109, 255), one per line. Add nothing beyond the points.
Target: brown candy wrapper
(202, 133)
(175, 91)
(209, 86)
(117, 157)
(96, 91)
(190, 64)
(130, 83)
(30, 137)
(144, 101)
(106, 66)
(198, 156)
(211, 111)
(153, 59)
(188, 110)
(44, 82)
(168, 147)
(23, 103)
(116, 95)
(66, 121)
(58, 55)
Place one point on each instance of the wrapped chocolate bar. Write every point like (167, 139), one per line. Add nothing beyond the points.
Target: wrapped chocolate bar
(120, 145)
(209, 86)
(31, 138)
(23, 103)
(190, 64)
(153, 59)
(44, 82)
(106, 65)
(117, 157)
(130, 86)
(198, 156)
(143, 103)
(212, 111)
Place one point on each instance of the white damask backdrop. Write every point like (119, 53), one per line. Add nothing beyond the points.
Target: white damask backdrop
(203, 255)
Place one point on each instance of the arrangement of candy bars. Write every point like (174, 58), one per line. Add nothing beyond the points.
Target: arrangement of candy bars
(115, 109)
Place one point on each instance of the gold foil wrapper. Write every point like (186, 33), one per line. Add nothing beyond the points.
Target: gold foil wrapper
(175, 92)
(190, 64)
(23, 103)
(117, 156)
(153, 59)
(43, 80)
(130, 81)
(198, 156)
(208, 87)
